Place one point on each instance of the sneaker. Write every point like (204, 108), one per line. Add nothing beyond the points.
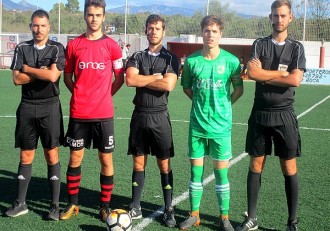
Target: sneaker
(70, 210)
(17, 209)
(104, 213)
(54, 212)
(248, 224)
(135, 213)
(169, 217)
(190, 222)
(225, 225)
(292, 226)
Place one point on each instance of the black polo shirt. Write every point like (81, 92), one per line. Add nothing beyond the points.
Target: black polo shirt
(148, 64)
(27, 53)
(288, 56)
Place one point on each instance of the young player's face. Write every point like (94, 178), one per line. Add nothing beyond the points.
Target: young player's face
(280, 18)
(155, 33)
(94, 18)
(211, 35)
(40, 28)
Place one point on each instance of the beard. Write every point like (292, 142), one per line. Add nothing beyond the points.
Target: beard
(280, 29)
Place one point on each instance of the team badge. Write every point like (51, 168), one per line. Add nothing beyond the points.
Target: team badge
(221, 69)
(282, 67)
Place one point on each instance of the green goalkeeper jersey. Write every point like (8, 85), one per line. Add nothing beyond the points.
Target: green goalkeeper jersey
(210, 81)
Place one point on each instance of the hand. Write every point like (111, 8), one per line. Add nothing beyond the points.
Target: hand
(256, 63)
(159, 75)
(25, 68)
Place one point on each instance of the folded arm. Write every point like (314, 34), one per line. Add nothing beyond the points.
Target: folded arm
(255, 72)
(20, 78)
(292, 80)
(134, 79)
(164, 83)
(50, 74)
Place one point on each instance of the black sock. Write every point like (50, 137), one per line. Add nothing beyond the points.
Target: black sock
(167, 186)
(253, 187)
(54, 180)
(23, 180)
(291, 191)
(137, 187)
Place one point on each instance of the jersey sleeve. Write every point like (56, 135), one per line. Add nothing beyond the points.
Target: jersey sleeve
(236, 73)
(59, 57)
(133, 61)
(116, 58)
(18, 59)
(186, 78)
(173, 66)
(299, 59)
(255, 51)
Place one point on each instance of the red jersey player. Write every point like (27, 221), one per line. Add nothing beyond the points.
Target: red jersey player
(91, 59)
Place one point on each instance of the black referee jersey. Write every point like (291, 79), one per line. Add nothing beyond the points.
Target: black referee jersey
(27, 53)
(285, 56)
(149, 64)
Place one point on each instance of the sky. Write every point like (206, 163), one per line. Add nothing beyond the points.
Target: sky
(249, 7)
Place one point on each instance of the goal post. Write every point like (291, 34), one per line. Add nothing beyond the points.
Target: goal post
(8, 43)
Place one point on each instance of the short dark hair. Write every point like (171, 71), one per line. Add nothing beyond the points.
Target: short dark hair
(153, 18)
(210, 20)
(39, 14)
(96, 3)
(279, 3)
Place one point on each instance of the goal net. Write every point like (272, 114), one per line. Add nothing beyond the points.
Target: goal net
(8, 43)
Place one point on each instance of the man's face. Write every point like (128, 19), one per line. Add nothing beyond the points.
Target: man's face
(280, 18)
(155, 33)
(94, 18)
(40, 28)
(211, 35)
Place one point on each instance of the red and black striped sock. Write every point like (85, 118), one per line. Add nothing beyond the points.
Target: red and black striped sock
(107, 185)
(73, 178)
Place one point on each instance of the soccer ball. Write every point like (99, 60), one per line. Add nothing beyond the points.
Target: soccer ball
(119, 220)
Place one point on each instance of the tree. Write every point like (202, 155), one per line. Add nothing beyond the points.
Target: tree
(72, 6)
(318, 14)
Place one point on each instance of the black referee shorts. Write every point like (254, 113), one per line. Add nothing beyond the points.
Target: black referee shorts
(284, 136)
(42, 120)
(151, 133)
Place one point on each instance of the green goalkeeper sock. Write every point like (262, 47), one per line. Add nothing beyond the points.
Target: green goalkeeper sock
(196, 187)
(222, 190)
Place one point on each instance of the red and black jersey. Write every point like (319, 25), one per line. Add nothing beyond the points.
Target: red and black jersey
(285, 56)
(149, 64)
(27, 53)
(92, 62)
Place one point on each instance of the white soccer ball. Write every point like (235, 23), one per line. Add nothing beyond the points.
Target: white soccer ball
(119, 220)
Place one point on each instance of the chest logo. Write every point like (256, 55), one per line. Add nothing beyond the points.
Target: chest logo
(221, 69)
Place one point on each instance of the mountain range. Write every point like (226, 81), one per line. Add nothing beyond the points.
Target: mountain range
(155, 9)
(21, 6)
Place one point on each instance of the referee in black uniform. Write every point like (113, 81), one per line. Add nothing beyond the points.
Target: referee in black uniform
(277, 64)
(154, 73)
(37, 66)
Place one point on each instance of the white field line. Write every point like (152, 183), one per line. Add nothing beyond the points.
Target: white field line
(314, 106)
(146, 221)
